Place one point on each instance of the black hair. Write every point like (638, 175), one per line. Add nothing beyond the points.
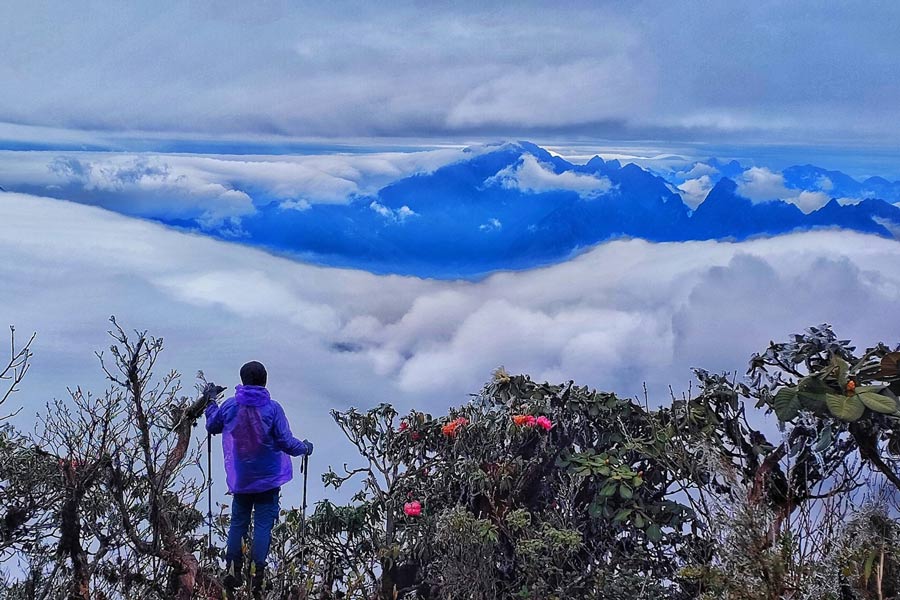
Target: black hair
(254, 373)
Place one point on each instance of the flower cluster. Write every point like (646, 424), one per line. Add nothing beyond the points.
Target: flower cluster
(405, 426)
(74, 463)
(412, 509)
(532, 421)
(450, 428)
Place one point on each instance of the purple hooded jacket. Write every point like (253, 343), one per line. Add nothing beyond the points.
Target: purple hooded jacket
(256, 440)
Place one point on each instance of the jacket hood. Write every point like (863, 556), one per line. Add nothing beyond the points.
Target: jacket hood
(251, 395)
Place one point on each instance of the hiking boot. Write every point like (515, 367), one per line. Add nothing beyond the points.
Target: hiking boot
(234, 576)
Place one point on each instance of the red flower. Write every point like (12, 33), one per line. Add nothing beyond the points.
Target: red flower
(415, 436)
(412, 509)
(404, 425)
(530, 421)
(544, 422)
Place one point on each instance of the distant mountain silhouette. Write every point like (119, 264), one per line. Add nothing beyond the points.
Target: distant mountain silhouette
(840, 185)
(515, 206)
(730, 169)
(464, 219)
(725, 214)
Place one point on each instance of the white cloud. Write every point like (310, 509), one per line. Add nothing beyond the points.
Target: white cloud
(698, 170)
(149, 186)
(892, 227)
(405, 212)
(381, 209)
(760, 184)
(824, 183)
(214, 189)
(694, 191)
(399, 215)
(529, 175)
(491, 225)
(298, 205)
(808, 201)
(535, 94)
(616, 316)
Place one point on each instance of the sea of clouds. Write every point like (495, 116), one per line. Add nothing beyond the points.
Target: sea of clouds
(616, 317)
(213, 190)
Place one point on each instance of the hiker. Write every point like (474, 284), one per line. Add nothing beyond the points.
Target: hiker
(258, 444)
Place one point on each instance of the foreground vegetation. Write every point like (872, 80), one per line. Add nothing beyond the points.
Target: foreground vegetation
(779, 484)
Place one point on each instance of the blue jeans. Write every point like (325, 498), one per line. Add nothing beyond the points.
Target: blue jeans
(264, 517)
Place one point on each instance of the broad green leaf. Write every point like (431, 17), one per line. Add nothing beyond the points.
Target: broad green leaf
(786, 404)
(639, 521)
(625, 492)
(878, 402)
(811, 394)
(812, 402)
(654, 533)
(812, 385)
(870, 388)
(608, 490)
(845, 408)
(622, 514)
(841, 369)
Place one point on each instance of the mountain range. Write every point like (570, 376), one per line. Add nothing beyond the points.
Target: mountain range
(495, 207)
(518, 206)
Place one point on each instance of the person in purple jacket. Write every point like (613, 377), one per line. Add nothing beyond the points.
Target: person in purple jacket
(258, 444)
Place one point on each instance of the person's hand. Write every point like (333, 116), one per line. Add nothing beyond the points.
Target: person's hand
(212, 391)
(309, 447)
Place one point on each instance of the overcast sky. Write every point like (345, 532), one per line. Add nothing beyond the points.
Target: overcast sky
(778, 72)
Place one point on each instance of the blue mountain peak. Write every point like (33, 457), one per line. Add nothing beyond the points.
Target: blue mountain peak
(485, 212)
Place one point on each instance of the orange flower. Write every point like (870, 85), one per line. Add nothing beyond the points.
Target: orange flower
(520, 419)
(851, 386)
(450, 428)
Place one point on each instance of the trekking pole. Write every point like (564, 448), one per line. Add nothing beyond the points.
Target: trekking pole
(209, 490)
(304, 466)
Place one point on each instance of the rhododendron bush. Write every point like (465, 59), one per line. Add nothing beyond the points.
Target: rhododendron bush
(779, 484)
(530, 490)
(533, 490)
